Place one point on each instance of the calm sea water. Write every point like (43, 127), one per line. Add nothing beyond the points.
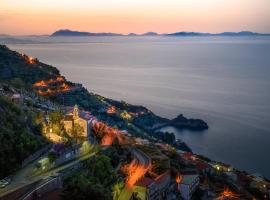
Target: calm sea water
(225, 81)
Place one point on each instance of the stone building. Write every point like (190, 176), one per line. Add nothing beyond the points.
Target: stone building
(76, 117)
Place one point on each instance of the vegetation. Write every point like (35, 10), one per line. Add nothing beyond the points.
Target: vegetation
(18, 71)
(166, 137)
(95, 181)
(18, 136)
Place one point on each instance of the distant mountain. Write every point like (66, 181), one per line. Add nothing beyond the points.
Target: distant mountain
(180, 34)
(4, 35)
(150, 34)
(144, 34)
(79, 33)
(132, 34)
(187, 34)
(12, 40)
(242, 33)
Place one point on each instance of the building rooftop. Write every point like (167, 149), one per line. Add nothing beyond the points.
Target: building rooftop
(162, 177)
(188, 179)
(144, 182)
(187, 154)
(16, 96)
(202, 165)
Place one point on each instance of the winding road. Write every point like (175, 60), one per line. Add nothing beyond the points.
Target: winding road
(139, 166)
(24, 176)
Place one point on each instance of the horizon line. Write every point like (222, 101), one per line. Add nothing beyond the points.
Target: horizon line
(126, 34)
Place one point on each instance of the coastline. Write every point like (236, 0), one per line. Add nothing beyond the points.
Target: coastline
(97, 107)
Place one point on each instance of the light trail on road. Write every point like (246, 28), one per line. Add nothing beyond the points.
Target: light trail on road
(136, 169)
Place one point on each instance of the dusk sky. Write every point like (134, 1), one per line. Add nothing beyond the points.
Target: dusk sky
(21, 17)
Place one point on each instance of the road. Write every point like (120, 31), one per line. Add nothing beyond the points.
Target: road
(24, 176)
(138, 167)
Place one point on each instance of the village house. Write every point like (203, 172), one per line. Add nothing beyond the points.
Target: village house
(188, 186)
(17, 98)
(76, 117)
(153, 189)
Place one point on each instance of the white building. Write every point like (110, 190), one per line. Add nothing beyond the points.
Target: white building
(188, 186)
(153, 189)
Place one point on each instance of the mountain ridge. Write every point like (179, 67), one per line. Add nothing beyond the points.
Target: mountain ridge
(67, 32)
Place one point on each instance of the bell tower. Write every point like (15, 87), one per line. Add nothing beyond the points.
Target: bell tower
(75, 112)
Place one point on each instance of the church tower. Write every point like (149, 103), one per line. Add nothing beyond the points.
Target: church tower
(75, 112)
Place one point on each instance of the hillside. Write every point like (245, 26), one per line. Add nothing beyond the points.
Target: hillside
(19, 67)
(18, 136)
(28, 74)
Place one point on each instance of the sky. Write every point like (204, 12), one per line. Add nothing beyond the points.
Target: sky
(27, 17)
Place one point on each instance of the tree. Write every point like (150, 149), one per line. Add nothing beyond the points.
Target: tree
(18, 83)
(55, 117)
(94, 181)
(80, 187)
(17, 136)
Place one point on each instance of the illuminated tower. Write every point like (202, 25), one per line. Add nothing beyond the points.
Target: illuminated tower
(75, 112)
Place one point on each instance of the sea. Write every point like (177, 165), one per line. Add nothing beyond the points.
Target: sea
(222, 80)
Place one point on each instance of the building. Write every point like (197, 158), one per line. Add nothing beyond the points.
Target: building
(188, 186)
(259, 182)
(78, 118)
(153, 189)
(17, 98)
(221, 167)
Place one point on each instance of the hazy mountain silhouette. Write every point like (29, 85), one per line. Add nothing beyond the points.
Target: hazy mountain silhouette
(67, 32)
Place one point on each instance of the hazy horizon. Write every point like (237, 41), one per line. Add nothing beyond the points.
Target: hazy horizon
(138, 33)
(129, 16)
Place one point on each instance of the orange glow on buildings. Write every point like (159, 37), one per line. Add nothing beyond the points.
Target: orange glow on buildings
(134, 172)
(60, 78)
(111, 110)
(227, 194)
(40, 84)
(106, 134)
(43, 83)
(46, 88)
(65, 87)
(29, 59)
(108, 138)
(178, 178)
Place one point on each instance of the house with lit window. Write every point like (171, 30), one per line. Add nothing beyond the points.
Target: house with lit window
(75, 117)
(153, 189)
